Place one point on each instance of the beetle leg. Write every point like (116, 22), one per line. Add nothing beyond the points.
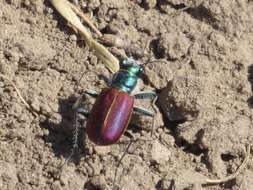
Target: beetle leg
(81, 115)
(143, 111)
(145, 95)
(77, 126)
(91, 93)
(78, 106)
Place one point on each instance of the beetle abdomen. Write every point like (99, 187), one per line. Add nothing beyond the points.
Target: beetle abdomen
(109, 116)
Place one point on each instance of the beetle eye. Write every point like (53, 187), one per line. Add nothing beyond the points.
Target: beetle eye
(129, 62)
(141, 69)
(131, 66)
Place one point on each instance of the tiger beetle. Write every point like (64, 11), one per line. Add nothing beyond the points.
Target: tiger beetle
(113, 107)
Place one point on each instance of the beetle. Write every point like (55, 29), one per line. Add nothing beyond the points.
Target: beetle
(112, 110)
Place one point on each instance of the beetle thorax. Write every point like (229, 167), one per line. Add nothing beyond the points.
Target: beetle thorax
(126, 78)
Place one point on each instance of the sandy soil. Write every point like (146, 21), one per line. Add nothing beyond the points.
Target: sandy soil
(201, 66)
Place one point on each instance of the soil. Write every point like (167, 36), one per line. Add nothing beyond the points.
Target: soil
(197, 55)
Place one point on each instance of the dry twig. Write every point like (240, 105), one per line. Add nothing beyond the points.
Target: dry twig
(19, 94)
(234, 175)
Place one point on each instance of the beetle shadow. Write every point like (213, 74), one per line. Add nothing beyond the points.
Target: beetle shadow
(60, 133)
(250, 79)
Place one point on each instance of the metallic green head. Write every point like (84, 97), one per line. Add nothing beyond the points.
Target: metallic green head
(126, 78)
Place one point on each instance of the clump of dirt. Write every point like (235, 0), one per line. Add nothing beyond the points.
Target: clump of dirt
(196, 54)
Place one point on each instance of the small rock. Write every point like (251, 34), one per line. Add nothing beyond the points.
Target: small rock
(38, 6)
(98, 182)
(93, 4)
(36, 105)
(49, 10)
(30, 20)
(167, 183)
(13, 2)
(56, 186)
(71, 179)
(167, 139)
(102, 150)
(45, 109)
(89, 170)
(135, 51)
(23, 177)
(159, 153)
(97, 166)
(75, 2)
(114, 27)
(55, 117)
(12, 55)
(115, 41)
(182, 99)
(27, 3)
(149, 4)
(73, 38)
(165, 7)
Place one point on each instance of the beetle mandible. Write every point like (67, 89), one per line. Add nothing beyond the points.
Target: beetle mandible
(112, 110)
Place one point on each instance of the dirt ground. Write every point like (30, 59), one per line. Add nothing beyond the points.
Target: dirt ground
(198, 55)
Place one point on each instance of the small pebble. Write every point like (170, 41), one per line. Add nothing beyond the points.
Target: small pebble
(149, 4)
(167, 139)
(45, 109)
(55, 117)
(98, 182)
(30, 21)
(36, 105)
(27, 3)
(75, 2)
(159, 153)
(49, 10)
(56, 186)
(115, 41)
(167, 183)
(93, 4)
(135, 51)
(73, 38)
(102, 150)
(89, 170)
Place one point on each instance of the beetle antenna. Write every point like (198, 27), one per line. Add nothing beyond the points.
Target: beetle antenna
(156, 111)
(150, 60)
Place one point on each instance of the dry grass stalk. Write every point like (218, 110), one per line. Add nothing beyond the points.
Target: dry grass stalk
(19, 94)
(70, 12)
(232, 176)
